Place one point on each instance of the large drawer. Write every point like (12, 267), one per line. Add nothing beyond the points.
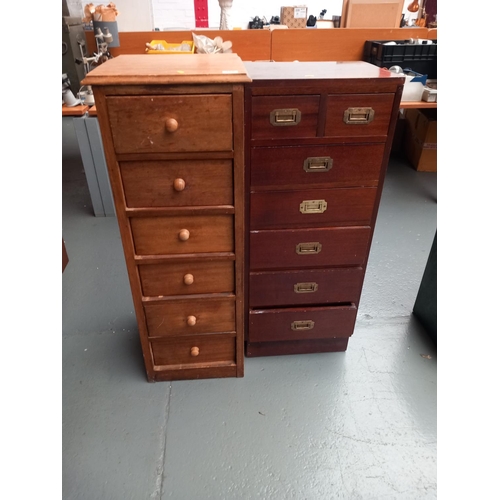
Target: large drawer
(187, 278)
(174, 123)
(196, 351)
(190, 317)
(305, 248)
(358, 115)
(313, 207)
(177, 183)
(283, 117)
(182, 234)
(357, 165)
(318, 286)
(301, 323)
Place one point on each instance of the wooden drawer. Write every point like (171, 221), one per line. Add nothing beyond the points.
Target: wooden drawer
(189, 317)
(196, 122)
(369, 115)
(279, 249)
(282, 117)
(318, 286)
(313, 207)
(301, 323)
(196, 351)
(187, 278)
(312, 166)
(162, 235)
(177, 183)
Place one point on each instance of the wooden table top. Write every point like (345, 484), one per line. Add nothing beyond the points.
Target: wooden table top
(78, 110)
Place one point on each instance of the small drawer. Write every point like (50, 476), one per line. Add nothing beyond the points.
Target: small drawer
(189, 317)
(312, 166)
(318, 286)
(174, 123)
(305, 248)
(187, 278)
(301, 323)
(177, 183)
(282, 117)
(358, 115)
(313, 207)
(206, 350)
(182, 234)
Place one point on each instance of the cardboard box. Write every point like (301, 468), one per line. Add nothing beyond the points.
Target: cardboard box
(294, 17)
(372, 13)
(421, 139)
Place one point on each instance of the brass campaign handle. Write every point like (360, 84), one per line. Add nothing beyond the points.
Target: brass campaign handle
(318, 164)
(308, 248)
(285, 117)
(309, 287)
(307, 324)
(313, 206)
(358, 116)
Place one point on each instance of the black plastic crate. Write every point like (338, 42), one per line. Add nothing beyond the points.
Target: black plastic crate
(417, 57)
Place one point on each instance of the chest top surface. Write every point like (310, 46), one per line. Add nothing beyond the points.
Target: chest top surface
(320, 70)
(139, 69)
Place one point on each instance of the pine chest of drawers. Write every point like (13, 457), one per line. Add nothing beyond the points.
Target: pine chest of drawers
(318, 138)
(172, 128)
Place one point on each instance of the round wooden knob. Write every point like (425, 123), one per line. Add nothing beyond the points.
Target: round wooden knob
(195, 351)
(171, 124)
(188, 279)
(179, 184)
(184, 235)
(191, 320)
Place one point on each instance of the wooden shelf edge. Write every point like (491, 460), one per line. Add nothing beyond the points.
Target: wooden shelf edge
(417, 105)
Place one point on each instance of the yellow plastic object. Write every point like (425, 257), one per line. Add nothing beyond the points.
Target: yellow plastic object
(169, 47)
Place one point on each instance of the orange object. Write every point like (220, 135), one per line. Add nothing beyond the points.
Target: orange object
(413, 7)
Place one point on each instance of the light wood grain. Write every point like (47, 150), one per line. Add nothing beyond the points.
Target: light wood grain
(162, 235)
(187, 278)
(334, 44)
(149, 69)
(140, 123)
(189, 317)
(213, 350)
(178, 183)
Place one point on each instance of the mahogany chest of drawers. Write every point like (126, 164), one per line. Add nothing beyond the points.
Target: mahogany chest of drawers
(172, 128)
(318, 138)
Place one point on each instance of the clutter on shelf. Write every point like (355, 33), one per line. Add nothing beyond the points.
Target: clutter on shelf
(205, 45)
(163, 47)
(104, 13)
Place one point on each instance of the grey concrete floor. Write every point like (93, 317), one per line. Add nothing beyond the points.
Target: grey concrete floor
(355, 425)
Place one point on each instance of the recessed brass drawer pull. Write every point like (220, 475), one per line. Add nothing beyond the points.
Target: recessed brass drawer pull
(285, 117)
(318, 164)
(306, 324)
(309, 248)
(313, 206)
(305, 287)
(358, 116)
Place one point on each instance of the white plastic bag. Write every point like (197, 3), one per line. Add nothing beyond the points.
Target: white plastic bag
(205, 45)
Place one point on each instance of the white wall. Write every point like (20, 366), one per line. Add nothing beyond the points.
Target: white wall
(171, 14)
(145, 15)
